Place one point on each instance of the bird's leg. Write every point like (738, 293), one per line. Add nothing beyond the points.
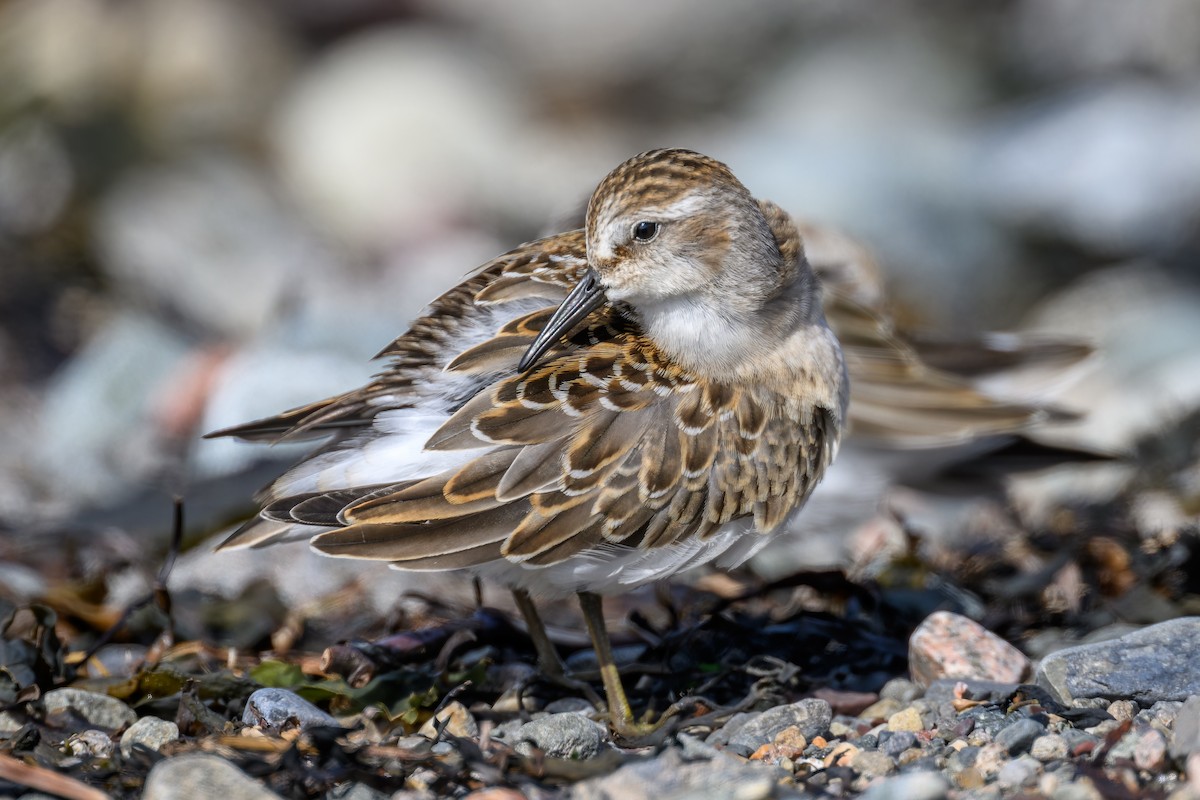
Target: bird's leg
(619, 712)
(549, 663)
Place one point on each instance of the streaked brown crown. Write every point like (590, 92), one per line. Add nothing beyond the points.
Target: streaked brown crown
(657, 178)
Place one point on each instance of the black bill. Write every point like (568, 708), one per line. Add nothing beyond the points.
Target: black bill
(583, 299)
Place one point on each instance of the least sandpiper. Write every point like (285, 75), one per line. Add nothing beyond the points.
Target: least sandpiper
(681, 401)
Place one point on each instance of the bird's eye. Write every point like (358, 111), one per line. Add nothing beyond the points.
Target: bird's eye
(645, 230)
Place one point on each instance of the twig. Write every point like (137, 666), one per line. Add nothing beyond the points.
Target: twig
(47, 780)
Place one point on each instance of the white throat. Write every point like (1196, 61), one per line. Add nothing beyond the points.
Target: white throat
(702, 337)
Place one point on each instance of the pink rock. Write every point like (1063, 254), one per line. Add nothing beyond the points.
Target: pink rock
(947, 645)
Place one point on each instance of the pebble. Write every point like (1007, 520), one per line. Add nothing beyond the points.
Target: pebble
(811, 716)
(561, 736)
(1187, 729)
(149, 732)
(458, 720)
(872, 763)
(898, 742)
(1122, 710)
(1022, 771)
(95, 709)
(901, 690)
(1148, 665)
(1018, 737)
(1049, 747)
(201, 775)
(356, 791)
(277, 709)
(915, 786)
(882, 708)
(907, 720)
(723, 777)
(948, 645)
(1150, 751)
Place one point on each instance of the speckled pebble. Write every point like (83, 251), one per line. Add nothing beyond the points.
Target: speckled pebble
(149, 732)
(872, 763)
(1021, 771)
(1019, 736)
(94, 708)
(948, 645)
(907, 720)
(1123, 710)
(1150, 750)
(1049, 747)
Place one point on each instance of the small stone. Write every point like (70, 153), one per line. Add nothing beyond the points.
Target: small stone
(811, 716)
(90, 744)
(95, 709)
(790, 742)
(1150, 751)
(948, 645)
(881, 709)
(1187, 729)
(201, 775)
(872, 763)
(907, 720)
(1081, 789)
(989, 759)
(458, 721)
(915, 786)
(1018, 737)
(1019, 772)
(495, 793)
(560, 736)
(1148, 665)
(899, 742)
(569, 705)
(910, 756)
(149, 732)
(1049, 747)
(356, 791)
(1123, 710)
(669, 775)
(900, 689)
(278, 709)
(969, 778)
(840, 730)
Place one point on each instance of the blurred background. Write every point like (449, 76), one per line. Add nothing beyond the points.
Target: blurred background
(211, 210)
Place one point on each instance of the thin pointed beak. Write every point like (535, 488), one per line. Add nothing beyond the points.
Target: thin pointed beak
(583, 299)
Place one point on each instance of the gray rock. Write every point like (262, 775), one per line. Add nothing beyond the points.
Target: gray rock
(811, 716)
(561, 736)
(95, 709)
(569, 705)
(900, 689)
(898, 742)
(1152, 664)
(1049, 747)
(872, 763)
(280, 708)
(1018, 737)
(150, 732)
(201, 775)
(355, 791)
(915, 786)
(943, 690)
(669, 775)
(1018, 772)
(1187, 729)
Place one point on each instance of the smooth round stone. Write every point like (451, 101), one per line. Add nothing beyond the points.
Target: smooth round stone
(94, 708)
(279, 708)
(149, 732)
(197, 775)
(561, 736)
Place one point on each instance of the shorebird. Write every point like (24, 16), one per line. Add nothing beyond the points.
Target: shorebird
(589, 412)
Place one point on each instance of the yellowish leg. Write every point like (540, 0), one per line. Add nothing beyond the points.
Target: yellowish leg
(619, 712)
(549, 663)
